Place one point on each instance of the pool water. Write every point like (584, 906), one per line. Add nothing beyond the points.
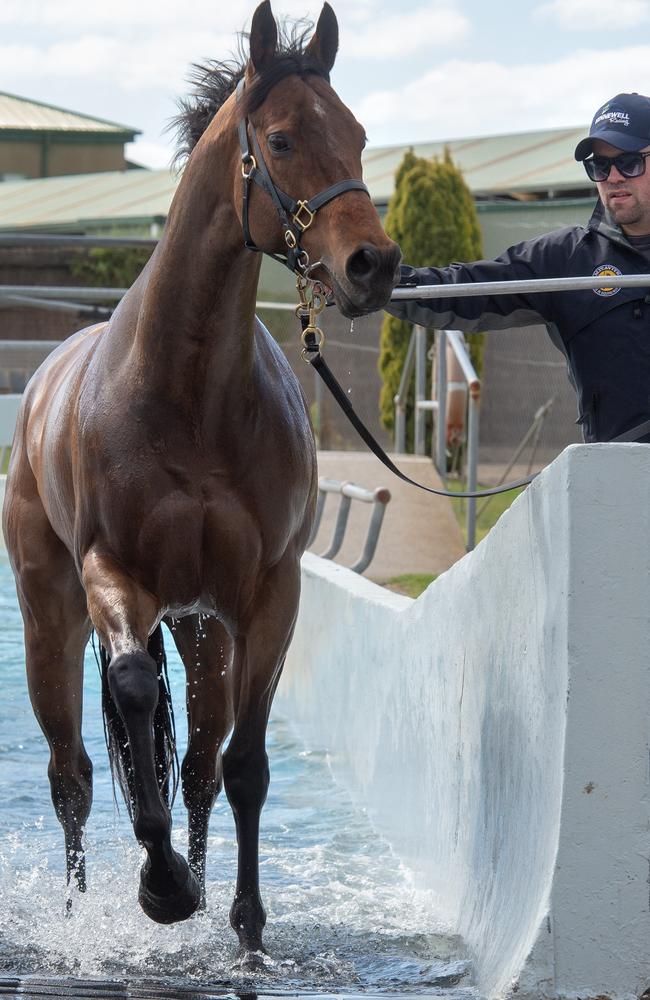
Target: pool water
(343, 914)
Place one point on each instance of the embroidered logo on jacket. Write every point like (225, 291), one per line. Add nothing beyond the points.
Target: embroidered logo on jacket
(606, 271)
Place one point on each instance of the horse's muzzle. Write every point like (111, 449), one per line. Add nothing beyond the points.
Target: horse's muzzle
(370, 275)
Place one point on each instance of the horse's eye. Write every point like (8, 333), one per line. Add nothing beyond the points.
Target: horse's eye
(278, 143)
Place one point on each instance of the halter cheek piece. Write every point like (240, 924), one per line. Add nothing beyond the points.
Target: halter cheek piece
(295, 216)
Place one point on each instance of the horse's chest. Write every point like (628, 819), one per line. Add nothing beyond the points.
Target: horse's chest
(203, 548)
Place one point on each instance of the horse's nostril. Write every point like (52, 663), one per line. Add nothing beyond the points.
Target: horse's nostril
(363, 264)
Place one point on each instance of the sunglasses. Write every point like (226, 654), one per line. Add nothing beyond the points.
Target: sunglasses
(627, 164)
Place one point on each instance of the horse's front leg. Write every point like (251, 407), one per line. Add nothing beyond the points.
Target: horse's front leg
(205, 648)
(257, 664)
(124, 614)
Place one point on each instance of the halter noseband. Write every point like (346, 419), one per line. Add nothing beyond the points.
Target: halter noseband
(295, 216)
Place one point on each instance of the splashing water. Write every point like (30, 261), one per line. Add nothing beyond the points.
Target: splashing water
(342, 913)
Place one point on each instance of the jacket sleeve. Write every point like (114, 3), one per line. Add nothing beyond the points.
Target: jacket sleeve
(538, 258)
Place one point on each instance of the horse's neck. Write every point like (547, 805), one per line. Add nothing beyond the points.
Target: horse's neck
(196, 313)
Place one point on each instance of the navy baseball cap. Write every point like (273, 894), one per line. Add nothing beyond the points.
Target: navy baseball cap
(623, 122)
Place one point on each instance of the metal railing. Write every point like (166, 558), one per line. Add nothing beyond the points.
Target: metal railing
(348, 492)
(416, 358)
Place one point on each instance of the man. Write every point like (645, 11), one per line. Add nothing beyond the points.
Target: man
(604, 334)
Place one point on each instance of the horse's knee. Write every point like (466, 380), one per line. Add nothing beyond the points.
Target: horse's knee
(133, 683)
(71, 784)
(200, 784)
(246, 777)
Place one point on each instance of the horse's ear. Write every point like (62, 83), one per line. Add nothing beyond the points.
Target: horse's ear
(263, 38)
(324, 45)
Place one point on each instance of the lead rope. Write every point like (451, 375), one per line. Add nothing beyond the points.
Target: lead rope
(312, 303)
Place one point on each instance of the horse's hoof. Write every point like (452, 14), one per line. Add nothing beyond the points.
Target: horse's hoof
(177, 905)
(251, 961)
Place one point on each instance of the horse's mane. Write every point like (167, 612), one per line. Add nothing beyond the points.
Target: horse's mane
(214, 81)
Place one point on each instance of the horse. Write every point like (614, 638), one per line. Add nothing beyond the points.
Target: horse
(164, 469)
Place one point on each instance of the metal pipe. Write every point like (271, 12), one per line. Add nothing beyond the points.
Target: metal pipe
(64, 240)
(339, 528)
(440, 454)
(52, 305)
(12, 345)
(472, 467)
(51, 292)
(381, 498)
(420, 388)
(470, 289)
(400, 398)
(457, 342)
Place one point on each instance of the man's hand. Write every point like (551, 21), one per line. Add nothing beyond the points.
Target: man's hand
(408, 277)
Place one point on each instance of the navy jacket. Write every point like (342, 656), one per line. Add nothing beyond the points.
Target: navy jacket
(604, 334)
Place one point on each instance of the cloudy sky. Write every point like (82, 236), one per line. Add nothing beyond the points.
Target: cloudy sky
(445, 69)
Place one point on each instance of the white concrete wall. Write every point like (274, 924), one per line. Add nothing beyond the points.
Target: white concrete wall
(497, 728)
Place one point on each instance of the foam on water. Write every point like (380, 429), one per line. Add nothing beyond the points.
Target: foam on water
(342, 913)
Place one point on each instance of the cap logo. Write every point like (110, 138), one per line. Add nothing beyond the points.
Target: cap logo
(606, 271)
(613, 117)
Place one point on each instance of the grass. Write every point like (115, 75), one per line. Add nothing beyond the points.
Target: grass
(411, 584)
(489, 511)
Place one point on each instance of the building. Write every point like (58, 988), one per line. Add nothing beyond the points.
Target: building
(40, 140)
(524, 185)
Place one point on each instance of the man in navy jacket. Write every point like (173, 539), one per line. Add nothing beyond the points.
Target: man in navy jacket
(604, 334)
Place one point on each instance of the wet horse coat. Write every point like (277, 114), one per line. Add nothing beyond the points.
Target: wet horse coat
(164, 466)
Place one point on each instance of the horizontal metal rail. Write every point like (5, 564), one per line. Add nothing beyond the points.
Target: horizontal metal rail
(473, 288)
(52, 305)
(65, 293)
(349, 492)
(85, 294)
(65, 240)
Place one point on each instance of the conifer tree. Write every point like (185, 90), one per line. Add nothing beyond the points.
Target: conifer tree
(433, 218)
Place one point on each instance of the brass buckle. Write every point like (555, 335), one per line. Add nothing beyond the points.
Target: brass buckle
(303, 207)
(314, 348)
(253, 166)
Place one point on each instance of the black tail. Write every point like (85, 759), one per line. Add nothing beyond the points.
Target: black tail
(164, 728)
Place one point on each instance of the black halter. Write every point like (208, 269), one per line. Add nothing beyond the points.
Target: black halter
(295, 216)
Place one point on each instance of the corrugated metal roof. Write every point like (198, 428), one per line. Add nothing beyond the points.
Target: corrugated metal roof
(78, 200)
(501, 164)
(21, 114)
(528, 162)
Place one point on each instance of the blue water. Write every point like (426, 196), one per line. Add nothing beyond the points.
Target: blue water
(343, 915)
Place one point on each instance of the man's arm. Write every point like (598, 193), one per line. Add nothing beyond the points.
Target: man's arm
(532, 259)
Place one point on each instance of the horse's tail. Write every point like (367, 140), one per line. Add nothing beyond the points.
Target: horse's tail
(164, 730)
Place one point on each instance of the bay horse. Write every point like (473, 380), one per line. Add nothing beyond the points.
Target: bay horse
(164, 469)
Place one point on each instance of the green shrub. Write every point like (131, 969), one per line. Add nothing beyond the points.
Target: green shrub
(110, 267)
(433, 218)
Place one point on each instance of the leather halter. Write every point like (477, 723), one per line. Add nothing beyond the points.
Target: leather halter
(296, 216)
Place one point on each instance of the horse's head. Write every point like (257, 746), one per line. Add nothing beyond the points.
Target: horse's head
(310, 142)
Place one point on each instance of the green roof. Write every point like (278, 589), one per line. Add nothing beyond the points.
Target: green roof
(521, 165)
(19, 114)
(81, 201)
(515, 164)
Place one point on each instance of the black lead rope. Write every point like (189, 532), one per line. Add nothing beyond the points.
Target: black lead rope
(313, 355)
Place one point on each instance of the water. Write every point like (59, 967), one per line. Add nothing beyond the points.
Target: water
(343, 915)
